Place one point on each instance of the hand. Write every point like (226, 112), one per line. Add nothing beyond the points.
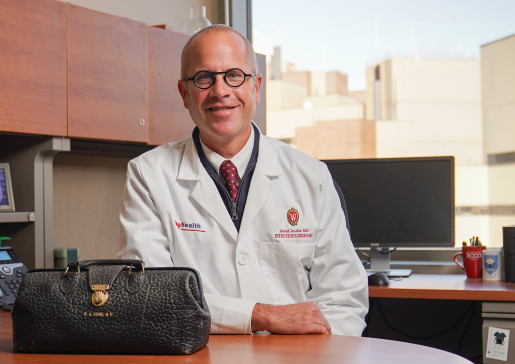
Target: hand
(298, 318)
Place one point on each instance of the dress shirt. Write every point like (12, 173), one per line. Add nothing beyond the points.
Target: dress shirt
(240, 160)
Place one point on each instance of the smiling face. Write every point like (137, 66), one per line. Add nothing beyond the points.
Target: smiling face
(222, 113)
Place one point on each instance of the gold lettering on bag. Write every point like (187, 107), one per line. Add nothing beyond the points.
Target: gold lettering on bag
(98, 314)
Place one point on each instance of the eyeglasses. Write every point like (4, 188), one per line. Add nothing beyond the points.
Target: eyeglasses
(234, 78)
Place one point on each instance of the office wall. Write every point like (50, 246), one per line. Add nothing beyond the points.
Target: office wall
(87, 197)
(152, 12)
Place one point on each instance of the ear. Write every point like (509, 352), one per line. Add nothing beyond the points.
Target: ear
(257, 87)
(183, 90)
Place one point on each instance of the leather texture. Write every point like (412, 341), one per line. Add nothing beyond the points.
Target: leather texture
(160, 311)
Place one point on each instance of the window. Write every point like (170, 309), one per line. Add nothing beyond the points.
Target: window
(400, 78)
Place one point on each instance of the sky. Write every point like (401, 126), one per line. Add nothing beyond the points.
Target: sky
(348, 36)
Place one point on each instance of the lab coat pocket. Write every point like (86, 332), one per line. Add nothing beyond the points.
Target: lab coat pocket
(285, 269)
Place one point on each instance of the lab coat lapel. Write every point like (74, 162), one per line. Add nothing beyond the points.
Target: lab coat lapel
(204, 191)
(262, 185)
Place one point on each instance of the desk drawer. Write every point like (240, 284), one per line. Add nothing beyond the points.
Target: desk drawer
(499, 307)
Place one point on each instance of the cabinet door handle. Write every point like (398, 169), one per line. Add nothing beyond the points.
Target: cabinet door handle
(142, 122)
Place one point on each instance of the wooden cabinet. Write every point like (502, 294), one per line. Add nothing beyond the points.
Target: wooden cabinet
(71, 71)
(107, 76)
(169, 120)
(33, 67)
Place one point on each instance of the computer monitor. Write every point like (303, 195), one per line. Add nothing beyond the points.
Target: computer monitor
(397, 202)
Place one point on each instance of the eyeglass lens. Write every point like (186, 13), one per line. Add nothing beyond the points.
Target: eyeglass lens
(234, 78)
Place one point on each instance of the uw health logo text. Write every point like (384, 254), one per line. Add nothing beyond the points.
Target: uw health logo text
(293, 234)
(189, 226)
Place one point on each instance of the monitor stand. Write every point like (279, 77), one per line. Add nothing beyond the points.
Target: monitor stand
(380, 263)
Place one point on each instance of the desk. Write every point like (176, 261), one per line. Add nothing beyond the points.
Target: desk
(446, 287)
(259, 349)
(497, 299)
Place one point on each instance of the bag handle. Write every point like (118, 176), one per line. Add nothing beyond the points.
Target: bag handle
(86, 263)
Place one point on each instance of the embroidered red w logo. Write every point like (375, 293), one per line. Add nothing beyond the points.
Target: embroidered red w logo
(177, 224)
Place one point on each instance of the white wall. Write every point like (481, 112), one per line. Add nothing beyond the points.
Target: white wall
(152, 12)
(318, 83)
(281, 124)
(395, 139)
(484, 186)
(501, 180)
(468, 226)
(498, 88)
(435, 109)
(471, 185)
(331, 100)
(284, 95)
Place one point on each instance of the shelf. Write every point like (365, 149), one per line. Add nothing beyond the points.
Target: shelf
(6, 217)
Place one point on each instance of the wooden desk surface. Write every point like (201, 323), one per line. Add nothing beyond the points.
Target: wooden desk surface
(259, 349)
(446, 287)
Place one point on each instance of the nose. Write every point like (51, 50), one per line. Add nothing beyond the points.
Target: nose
(219, 88)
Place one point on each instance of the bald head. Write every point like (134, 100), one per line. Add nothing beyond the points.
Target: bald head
(250, 55)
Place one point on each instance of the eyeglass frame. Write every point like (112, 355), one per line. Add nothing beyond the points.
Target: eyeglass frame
(245, 75)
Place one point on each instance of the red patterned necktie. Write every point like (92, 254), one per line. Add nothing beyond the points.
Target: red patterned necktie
(228, 172)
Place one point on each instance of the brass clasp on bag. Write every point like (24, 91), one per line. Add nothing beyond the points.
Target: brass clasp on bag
(100, 294)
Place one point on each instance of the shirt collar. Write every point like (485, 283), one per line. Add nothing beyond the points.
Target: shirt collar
(240, 160)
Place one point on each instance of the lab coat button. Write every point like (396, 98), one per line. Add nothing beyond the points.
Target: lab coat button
(242, 259)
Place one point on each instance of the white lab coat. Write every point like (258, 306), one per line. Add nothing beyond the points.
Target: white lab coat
(172, 215)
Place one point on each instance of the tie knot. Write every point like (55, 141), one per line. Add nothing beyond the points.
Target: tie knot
(227, 167)
(228, 172)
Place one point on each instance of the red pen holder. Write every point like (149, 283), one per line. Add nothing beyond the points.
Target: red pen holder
(472, 260)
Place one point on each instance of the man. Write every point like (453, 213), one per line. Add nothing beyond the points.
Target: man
(261, 221)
